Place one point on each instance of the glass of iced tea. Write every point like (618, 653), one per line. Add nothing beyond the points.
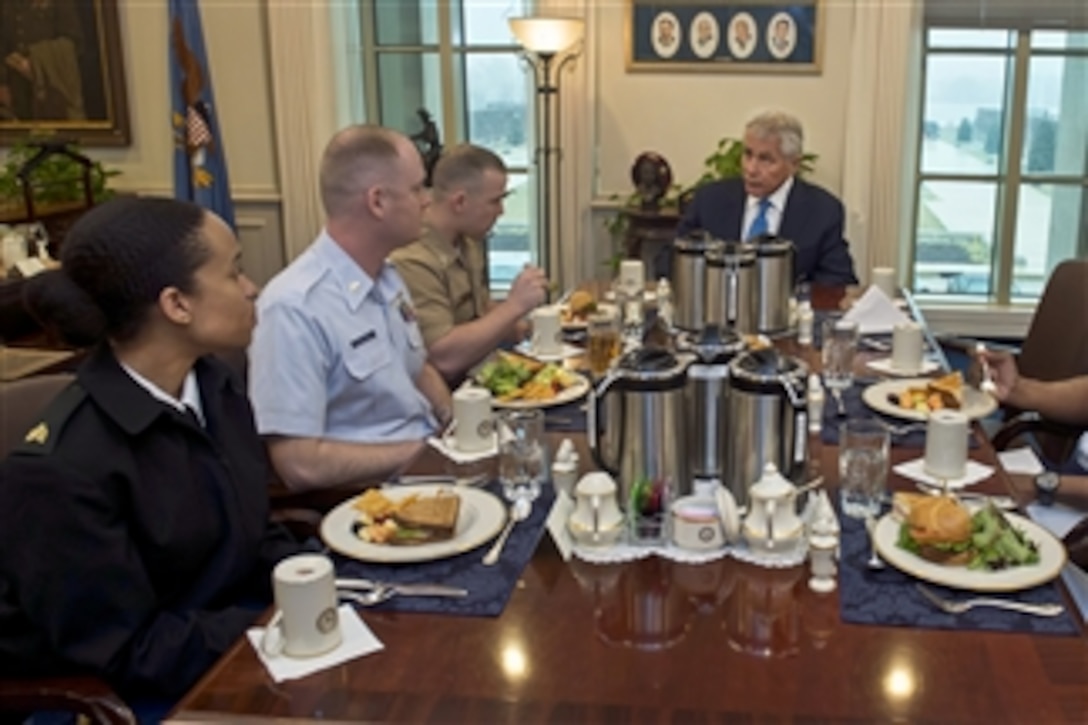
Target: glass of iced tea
(603, 338)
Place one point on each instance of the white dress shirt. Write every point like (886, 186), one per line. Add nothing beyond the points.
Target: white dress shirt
(774, 211)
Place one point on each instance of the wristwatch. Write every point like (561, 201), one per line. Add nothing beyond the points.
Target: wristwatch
(1046, 485)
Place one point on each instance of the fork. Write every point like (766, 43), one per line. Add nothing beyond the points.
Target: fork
(1042, 610)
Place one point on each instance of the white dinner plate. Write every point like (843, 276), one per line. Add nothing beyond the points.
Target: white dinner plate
(1051, 560)
(480, 518)
(976, 404)
(884, 367)
(566, 395)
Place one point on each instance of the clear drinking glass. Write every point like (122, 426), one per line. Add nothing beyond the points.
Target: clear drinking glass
(863, 466)
(840, 343)
(603, 332)
(523, 464)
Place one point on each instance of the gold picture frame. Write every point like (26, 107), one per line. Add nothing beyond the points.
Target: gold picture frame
(61, 72)
(724, 36)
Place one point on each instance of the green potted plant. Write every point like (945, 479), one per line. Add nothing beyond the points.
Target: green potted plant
(56, 183)
(723, 163)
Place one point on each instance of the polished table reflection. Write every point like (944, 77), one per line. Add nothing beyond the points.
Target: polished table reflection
(655, 640)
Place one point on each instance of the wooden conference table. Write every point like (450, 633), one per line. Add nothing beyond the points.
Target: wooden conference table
(658, 641)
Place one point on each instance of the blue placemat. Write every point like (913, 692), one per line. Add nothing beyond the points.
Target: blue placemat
(568, 418)
(856, 408)
(489, 587)
(889, 598)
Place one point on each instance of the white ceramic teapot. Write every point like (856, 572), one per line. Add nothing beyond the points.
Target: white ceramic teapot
(772, 523)
(597, 519)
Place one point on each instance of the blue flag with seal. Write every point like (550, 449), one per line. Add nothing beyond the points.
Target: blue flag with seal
(200, 167)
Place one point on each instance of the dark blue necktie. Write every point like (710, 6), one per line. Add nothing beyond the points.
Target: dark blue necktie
(759, 224)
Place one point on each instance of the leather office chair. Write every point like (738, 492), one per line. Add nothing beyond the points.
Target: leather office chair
(1055, 348)
(21, 405)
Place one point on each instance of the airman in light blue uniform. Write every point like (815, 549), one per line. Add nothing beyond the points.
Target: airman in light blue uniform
(336, 354)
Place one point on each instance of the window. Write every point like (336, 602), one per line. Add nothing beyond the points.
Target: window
(458, 60)
(1002, 179)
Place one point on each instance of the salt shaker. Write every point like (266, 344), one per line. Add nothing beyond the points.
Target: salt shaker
(805, 321)
(664, 302)
(822, 546)
(815, 399)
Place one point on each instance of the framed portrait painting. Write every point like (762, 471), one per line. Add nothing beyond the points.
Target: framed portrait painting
(61, 72)
(763, 36)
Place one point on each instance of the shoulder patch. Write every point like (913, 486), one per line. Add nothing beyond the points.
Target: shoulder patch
(43, 435)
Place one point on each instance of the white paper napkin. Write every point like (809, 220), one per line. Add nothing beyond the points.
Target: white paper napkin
(884, 367)
(526, 349)
(1021, 460)
(358, 641)
(915, 470)
(875, 313)
(461, 456)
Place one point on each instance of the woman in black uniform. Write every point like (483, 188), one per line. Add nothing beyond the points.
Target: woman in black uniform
(134, 516)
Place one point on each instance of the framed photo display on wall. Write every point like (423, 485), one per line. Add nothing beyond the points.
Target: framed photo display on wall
(724, 36)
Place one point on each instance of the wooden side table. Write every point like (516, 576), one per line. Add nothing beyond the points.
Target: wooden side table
(648, 232)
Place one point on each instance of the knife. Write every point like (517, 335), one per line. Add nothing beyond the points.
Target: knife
(410, 590)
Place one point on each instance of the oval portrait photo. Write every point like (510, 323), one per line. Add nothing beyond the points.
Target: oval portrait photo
(781, 36)
(665, 34)
(704, 35)
(742, 35)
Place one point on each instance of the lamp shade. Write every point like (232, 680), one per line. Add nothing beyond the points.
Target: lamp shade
(547, 35)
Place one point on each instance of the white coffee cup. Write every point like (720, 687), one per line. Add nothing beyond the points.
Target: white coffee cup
(907, 347)
(632, 278)
(946, 445)
(547, 336)
(306, 623)
(473, 426)
(884, 279)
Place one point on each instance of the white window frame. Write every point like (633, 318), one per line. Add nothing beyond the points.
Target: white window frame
(1009, 177)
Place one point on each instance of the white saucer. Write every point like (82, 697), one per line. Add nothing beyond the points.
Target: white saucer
(568, 351)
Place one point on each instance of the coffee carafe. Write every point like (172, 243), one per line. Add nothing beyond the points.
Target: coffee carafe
(775, 272)
(768, 420)
(705, 397)
(732, 297)
(641, 404)
(689, 281)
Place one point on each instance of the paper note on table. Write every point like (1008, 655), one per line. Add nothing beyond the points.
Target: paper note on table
(875, 313)
(1021, 460)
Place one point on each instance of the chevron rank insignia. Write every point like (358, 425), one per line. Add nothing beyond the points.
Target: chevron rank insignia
(38, 434)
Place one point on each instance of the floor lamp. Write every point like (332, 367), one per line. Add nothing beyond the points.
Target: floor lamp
(543, 41)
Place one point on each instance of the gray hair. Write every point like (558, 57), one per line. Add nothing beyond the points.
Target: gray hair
(462, 166)
(783, 126)
(355, 159)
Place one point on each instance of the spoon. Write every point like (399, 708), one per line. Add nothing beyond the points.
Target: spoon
(370, 597)
(875, 562)
(837, 395)
(519, 511)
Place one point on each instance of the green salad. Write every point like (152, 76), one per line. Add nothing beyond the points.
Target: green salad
(994, 543)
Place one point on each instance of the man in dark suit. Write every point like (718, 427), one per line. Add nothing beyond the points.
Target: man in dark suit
(770, 200)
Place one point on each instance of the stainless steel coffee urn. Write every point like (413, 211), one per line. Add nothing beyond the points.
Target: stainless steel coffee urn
(768, 421)
(642, 401)
(689, 281)
(732, 297)
(705, 402)
(775, 272)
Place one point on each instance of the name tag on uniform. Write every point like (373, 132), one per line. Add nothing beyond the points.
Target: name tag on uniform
(364, 338)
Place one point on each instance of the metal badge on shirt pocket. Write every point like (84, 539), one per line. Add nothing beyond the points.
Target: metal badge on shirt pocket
(408, 314)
